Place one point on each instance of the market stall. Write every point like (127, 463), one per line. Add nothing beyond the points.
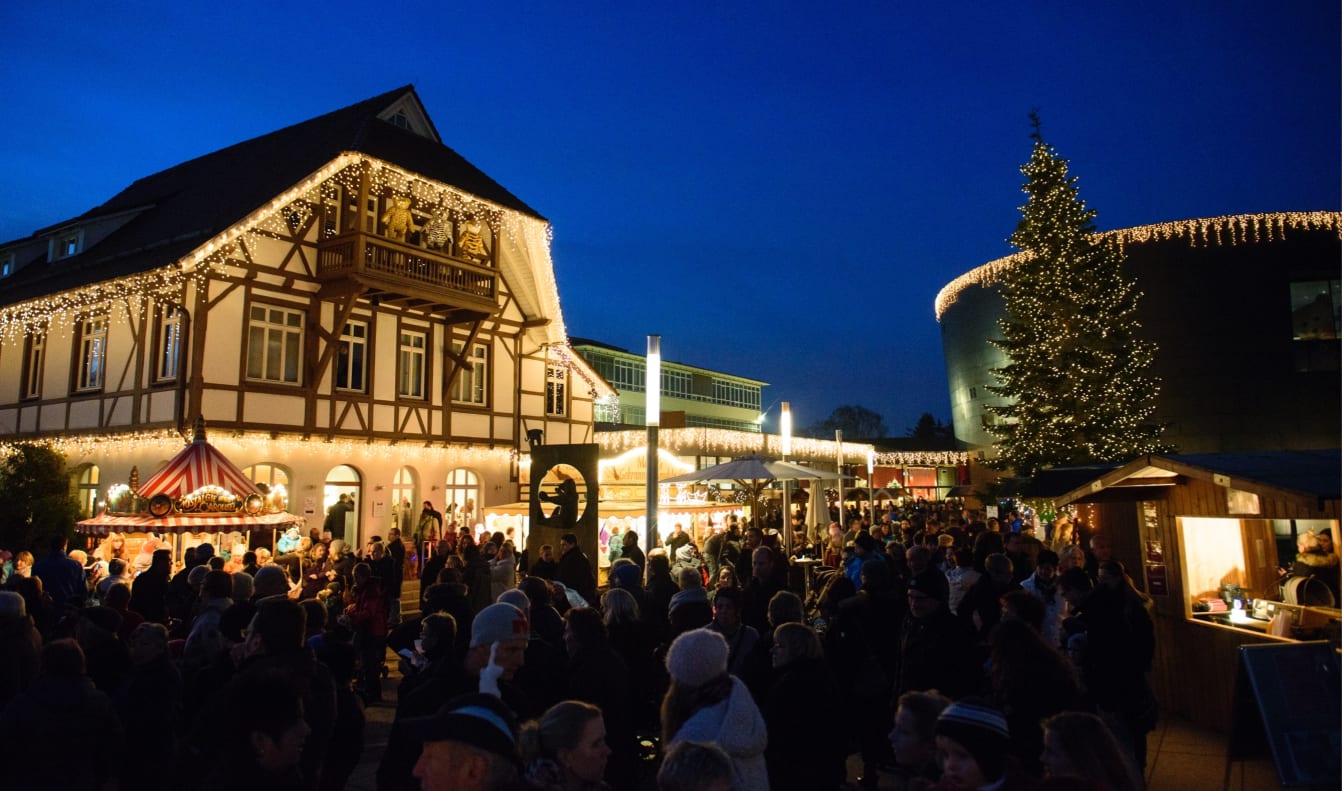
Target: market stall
(1215, 540)
(198, 496)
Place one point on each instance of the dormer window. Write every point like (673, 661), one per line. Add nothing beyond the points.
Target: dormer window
(399, 120)
(66, 244)
(6, 265)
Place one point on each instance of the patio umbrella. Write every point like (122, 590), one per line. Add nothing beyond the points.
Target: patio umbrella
(752, 473)
(817, 508)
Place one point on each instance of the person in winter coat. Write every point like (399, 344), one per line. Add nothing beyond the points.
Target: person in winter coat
(502, 571)
(706, 704)
(367, 613)
(149, 701)
(800, 755)
(937, 649)
(59, 709)
(20, 645)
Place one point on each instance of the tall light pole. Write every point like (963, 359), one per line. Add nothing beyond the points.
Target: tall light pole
(838, 462)
(785, 426)
(871, 484)
(653, 417)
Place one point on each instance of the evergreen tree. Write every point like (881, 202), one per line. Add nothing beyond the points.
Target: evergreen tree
(1077, 379)
(35, 500)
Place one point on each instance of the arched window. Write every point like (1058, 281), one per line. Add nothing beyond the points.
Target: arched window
(274, 480)
(405, 501)
(87, 490)
(462, 497)
(342, 501)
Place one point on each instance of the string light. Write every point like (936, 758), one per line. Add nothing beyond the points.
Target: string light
(727, 442)
(166, 442)
(526, 247)
(1213, 231)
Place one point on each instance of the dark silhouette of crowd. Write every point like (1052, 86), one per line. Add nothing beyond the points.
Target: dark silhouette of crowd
(935, 649)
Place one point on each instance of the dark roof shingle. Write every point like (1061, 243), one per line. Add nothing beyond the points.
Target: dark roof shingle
(186, 205)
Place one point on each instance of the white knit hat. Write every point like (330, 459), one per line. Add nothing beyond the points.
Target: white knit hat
(697, 657)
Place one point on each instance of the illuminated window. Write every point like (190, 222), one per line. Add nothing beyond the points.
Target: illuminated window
(35, 355)
(6, 265)
(410, 373)
(169, 336)
(65, 245)
(274, 481)
(88, 490)
(92, 354)
(471, 386)
(1316, 324)
(352, 357)
(556, 390)
(274, 344)
(461, 495)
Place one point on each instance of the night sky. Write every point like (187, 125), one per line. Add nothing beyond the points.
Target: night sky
(778, 191)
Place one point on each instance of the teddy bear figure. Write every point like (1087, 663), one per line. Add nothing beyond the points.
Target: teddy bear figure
(397, 220)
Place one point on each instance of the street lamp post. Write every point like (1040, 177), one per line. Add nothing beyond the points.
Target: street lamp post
(785, 426)
(653, 418)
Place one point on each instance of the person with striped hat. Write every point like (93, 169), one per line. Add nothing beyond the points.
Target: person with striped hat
(972, 746)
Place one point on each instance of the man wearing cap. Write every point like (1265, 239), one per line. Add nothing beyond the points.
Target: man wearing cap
(499, 637)
(470, 744)
(937, 649)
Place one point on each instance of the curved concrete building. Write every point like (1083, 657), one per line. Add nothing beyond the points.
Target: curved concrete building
(1245, 310)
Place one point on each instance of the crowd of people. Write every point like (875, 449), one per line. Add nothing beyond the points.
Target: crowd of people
(946, 651)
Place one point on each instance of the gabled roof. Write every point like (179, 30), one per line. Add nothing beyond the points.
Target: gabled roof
(183, 207)
(1311, 474)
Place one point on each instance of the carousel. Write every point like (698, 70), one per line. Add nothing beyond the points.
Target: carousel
(198, 496)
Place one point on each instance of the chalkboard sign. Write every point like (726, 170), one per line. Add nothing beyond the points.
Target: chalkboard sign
(1288, 698)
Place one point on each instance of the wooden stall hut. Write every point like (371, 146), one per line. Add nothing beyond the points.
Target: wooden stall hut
(1210, 538)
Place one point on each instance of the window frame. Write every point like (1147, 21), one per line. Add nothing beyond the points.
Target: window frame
(34, 365)
(266, 325)
(408, 354)
(91, 358)
(169, 323)
(476, 377)
(345, 374)
(556, 390)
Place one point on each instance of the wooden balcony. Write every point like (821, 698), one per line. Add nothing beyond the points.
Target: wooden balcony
(389, 272)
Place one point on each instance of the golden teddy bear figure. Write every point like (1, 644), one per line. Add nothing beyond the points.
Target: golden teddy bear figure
(471, 244)
(397, 220)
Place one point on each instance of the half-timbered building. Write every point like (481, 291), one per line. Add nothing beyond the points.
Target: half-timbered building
(351, 306)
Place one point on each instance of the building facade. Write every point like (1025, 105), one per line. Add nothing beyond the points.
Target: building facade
(1246, 312)
(351, 306)
(692, 397)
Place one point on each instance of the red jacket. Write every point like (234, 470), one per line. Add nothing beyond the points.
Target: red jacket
(368, 612)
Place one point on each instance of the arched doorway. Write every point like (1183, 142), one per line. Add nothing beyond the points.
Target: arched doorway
(342, 502)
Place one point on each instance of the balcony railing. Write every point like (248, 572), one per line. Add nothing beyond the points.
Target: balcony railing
(401, 268)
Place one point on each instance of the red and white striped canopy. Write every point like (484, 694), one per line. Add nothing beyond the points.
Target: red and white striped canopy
(199, 464)
(103, 524)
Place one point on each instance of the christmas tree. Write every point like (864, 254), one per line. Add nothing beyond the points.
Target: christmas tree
(1076, 382)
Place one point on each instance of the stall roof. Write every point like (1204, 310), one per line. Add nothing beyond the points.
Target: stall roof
(103, 524)
(1316, 474)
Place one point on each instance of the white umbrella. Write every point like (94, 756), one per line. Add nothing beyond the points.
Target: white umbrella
(752, 473)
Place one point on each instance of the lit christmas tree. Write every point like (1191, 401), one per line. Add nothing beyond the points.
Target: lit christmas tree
(1077, 378)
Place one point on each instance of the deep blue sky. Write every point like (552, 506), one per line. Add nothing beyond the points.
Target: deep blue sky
(779, 191)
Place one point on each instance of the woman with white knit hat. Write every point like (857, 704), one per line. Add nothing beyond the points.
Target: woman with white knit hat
(706, 704)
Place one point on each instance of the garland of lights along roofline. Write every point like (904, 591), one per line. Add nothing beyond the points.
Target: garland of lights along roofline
(1213, 231)
(271, 220)
(129, 295)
